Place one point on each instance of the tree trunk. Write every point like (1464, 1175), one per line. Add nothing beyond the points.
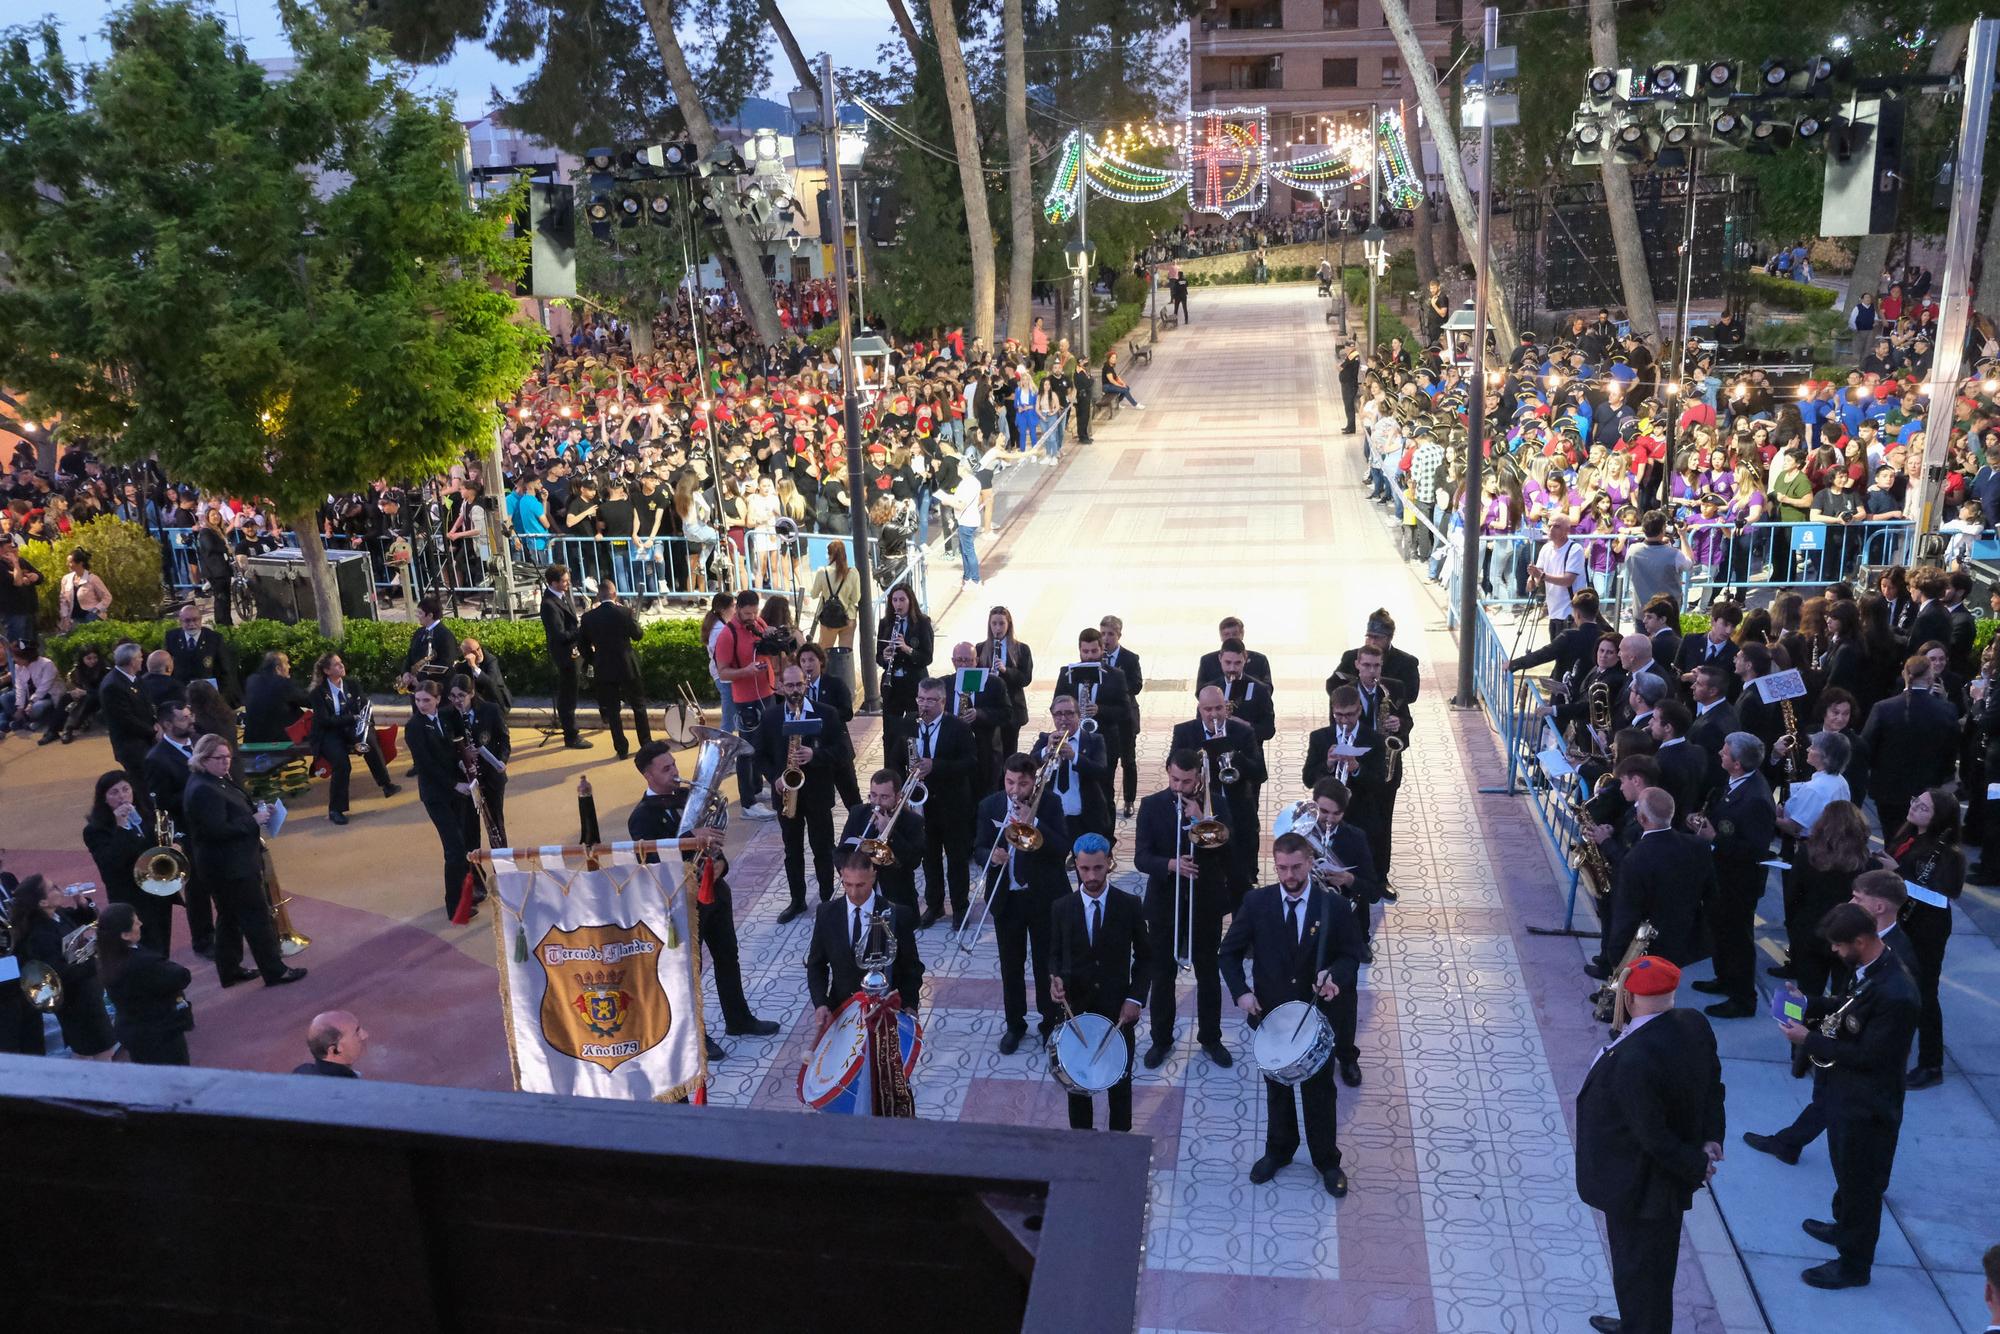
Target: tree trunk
(965, 138)
(1626, 239)
(326, 595)
(642, 336)
(1421, 215)
(908, 29)
(1020, 180)
(751, 288)
(1417, 65)
(793, 51)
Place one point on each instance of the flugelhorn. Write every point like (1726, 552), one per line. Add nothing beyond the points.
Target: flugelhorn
(161, 871)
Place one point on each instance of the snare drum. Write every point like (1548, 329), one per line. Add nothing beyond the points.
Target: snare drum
(1292, 1043)
(838, 1076)
(1089, 1055)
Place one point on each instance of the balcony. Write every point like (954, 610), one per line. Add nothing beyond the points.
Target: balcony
(1242, 18)
(1262, 74)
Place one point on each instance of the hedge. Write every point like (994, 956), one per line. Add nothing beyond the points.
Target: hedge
(1786, 294)
(1128, 289)
(1105, 334)
(122, 554)
(1388, 324)
(1280, 273)
(671, 652)
(1983, 630)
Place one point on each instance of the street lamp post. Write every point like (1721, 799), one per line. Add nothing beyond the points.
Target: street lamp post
(1080, 264)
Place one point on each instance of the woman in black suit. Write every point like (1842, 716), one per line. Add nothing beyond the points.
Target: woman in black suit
(338, 734)
(226, 832)
(904, 646)
(149, 990)
(41, 916)
(272, 700)
(118, 832)
(447, 797)
(472, 718)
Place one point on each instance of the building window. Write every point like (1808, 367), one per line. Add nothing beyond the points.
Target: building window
(1344, 73)
(1392, 72)
(1341, 14)
(1450, 11)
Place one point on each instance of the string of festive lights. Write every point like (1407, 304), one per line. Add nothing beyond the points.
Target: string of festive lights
(1401, 187)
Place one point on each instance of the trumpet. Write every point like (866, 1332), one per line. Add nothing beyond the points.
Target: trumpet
(793, 778)
(1226, 772)
(876, 848)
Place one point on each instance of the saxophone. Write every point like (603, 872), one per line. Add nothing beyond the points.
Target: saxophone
(1587, 858)
(1610, 1001)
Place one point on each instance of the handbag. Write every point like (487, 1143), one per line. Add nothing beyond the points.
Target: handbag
(831, 613)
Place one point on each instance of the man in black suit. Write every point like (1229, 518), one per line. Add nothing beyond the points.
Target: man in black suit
(1714, 649)
(200, 654)
(474, 719)
(1387, 716)
(1649, 1126)
(1123, 744)
(1022, 887)
(1187, 887)
(1232, 749)
(128, 716)
(1080, 778)
(1864, 1062)
(831, 699)
(1249, 696)
(657, 816)
(1100, 958)
(833, 973)
(484, 669)
(159, 684)
(1663, 880)
(1933, 618)
(1912, 743)
(273, 700)
(1739, 822)
(1576, 644)
(988, 712)
(1108, 702)
(1964, 627)
(561, 629)
(337, 736)
(608, 631)
(898, 880)
(432, 648)
(1210, 666)
(1303, 949)
(812, 818)
(1683, 766)
(945, 761)
(1365, 777)
(1012, 664)
(225, 833)
(1714, 716)
(441, 785)
(1660, 619)
(1356, 887)
(1398, 667)
(167, 766)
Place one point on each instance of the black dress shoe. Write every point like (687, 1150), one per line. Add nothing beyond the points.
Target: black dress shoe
(714, 1050)
(1819, 1230)
(1708, 986)
(1156, 1055)
(1606, 1324)
(1350, 1074)
(1265, 1168)
(1924, 1077)
(1772, 1145)
(1388, 895)
(1729, 1009)
(337, 817)
(791, 911)
(1127, 812)
(1218, 1053)
(573, 743)
(1010, 1041)
(1981, 874)
(1834, 1275)
(623, 752)
(753, 1027)
(929, 919)
(1784, 972)
(392, 789)
(1335, 1182)
(1596, 971)
(240, 975)
(289, 975)
(410, 772)
(205, 948)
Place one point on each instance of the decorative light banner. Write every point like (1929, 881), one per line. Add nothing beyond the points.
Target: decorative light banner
(1228, 167)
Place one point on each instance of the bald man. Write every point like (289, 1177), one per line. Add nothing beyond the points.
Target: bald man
(1662, 880)
(986, 713)
(337, 1042)
(1223, 737)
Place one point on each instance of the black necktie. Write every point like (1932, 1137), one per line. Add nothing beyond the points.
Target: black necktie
(857, 927)
(1711, 650)
(1096, 918)
(1292, 918)
(927, 739)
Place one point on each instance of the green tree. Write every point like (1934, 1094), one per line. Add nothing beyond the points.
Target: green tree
(635, 271)
(276, 286)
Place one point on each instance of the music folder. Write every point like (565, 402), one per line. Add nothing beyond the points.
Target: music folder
(1085, 674)
(804, 728)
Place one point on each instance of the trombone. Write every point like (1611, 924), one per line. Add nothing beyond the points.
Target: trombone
(875, 847)
(1206, 832)
(1020, 834)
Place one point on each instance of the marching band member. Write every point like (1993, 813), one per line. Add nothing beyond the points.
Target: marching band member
(1364, 776)
(1233, 748)
(831, 699)
(1389, 718)
(473, 719)
(904, 646)
(812, 818)
(988, 714)
(441, 785)
(561, 631)
(1024, 886)
(484, 669)
(1210, 667)
(167, 767)
(1109, 703)
(1099, 960)
(1176, 867)
(1249, 696)
(432, 648)
(1398, 666)
(1350, 872)
(945, 761)
(1122, 745)
(1014, 664)
(1740, 821)
(898, 880)
(833, 970)
(225, 831)
(1300, 951)
(608, 632)
(1081, 776)
(657, 816)
(340, 730)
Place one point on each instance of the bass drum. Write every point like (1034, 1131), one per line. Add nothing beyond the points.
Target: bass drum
(838, 1076)
(678, 722)
(1089, 1055)
(1292, 1043)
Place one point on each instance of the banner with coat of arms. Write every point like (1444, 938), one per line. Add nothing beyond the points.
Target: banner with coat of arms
(600, 975)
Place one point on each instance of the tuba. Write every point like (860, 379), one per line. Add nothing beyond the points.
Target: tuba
(162, 871)
(707, 806)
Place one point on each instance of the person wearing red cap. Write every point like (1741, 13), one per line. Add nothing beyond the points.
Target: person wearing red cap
(1649, 1128)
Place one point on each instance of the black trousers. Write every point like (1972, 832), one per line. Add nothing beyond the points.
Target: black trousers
(1863, 1149)
(457, 825)
(717, 923)
(566, 696)
(243, 917)
(846, 783)
(1179, 304)
(1118, 1097)
(1811, 1120)
(1021, 925)
(1732, 920)
(610, 694)
(157, 1049)
(1281, 1120)
(341, 761)
(1377, 827)
(1928, 929)
(1349, 393)
(1202, 938)
(1344, 1010)
(1122, 745)
(1644, 1255)
(813, 824)
(947, 850)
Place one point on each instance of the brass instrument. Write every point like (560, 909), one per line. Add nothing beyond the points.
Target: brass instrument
(916, 802)
(80, 945)
(407, 682)
(876, 848)
(41, 985)
(162, 870)
(1020, 835)
(792, 779)
(1829, 1027)
(1610, 1002)
(1207, 832)
(1598, 696)
(291, 940)
(1226, 772)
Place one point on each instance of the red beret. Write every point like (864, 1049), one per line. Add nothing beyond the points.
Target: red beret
(1650, 975)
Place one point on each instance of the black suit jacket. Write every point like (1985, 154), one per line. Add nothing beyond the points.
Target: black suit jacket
(1872, 1044)
(829, 748)
(1210, 668)
(1156, 837)
(1745, 821)
(559, 628)
(1115, 708)
(1019, 672)
(1932, 621)
(1099, 976)
(271, 703)
(1663, 879)
(486, 729)
(1912, 743)
(1286, 966)
(436, 639)
(1090, 769)
(488, 682)
(128, 714)
(1964, 632)
(1252, 697)
(333, 732)
(1366, 782)
(1135, 679)
(1694, 652)
(952, 771)
(906, 841)
(167, 779)
(1666, 650)
(1574, 645)
(435, 756)
(1645, 1110)
(1684, 774)
(830, 697)
(1397, 666)
(1042, 873)
(904, 669)
(832, 974)
(609, 631)
(223, 831)
(1240, 739)
(148, 994)
(207, 657)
